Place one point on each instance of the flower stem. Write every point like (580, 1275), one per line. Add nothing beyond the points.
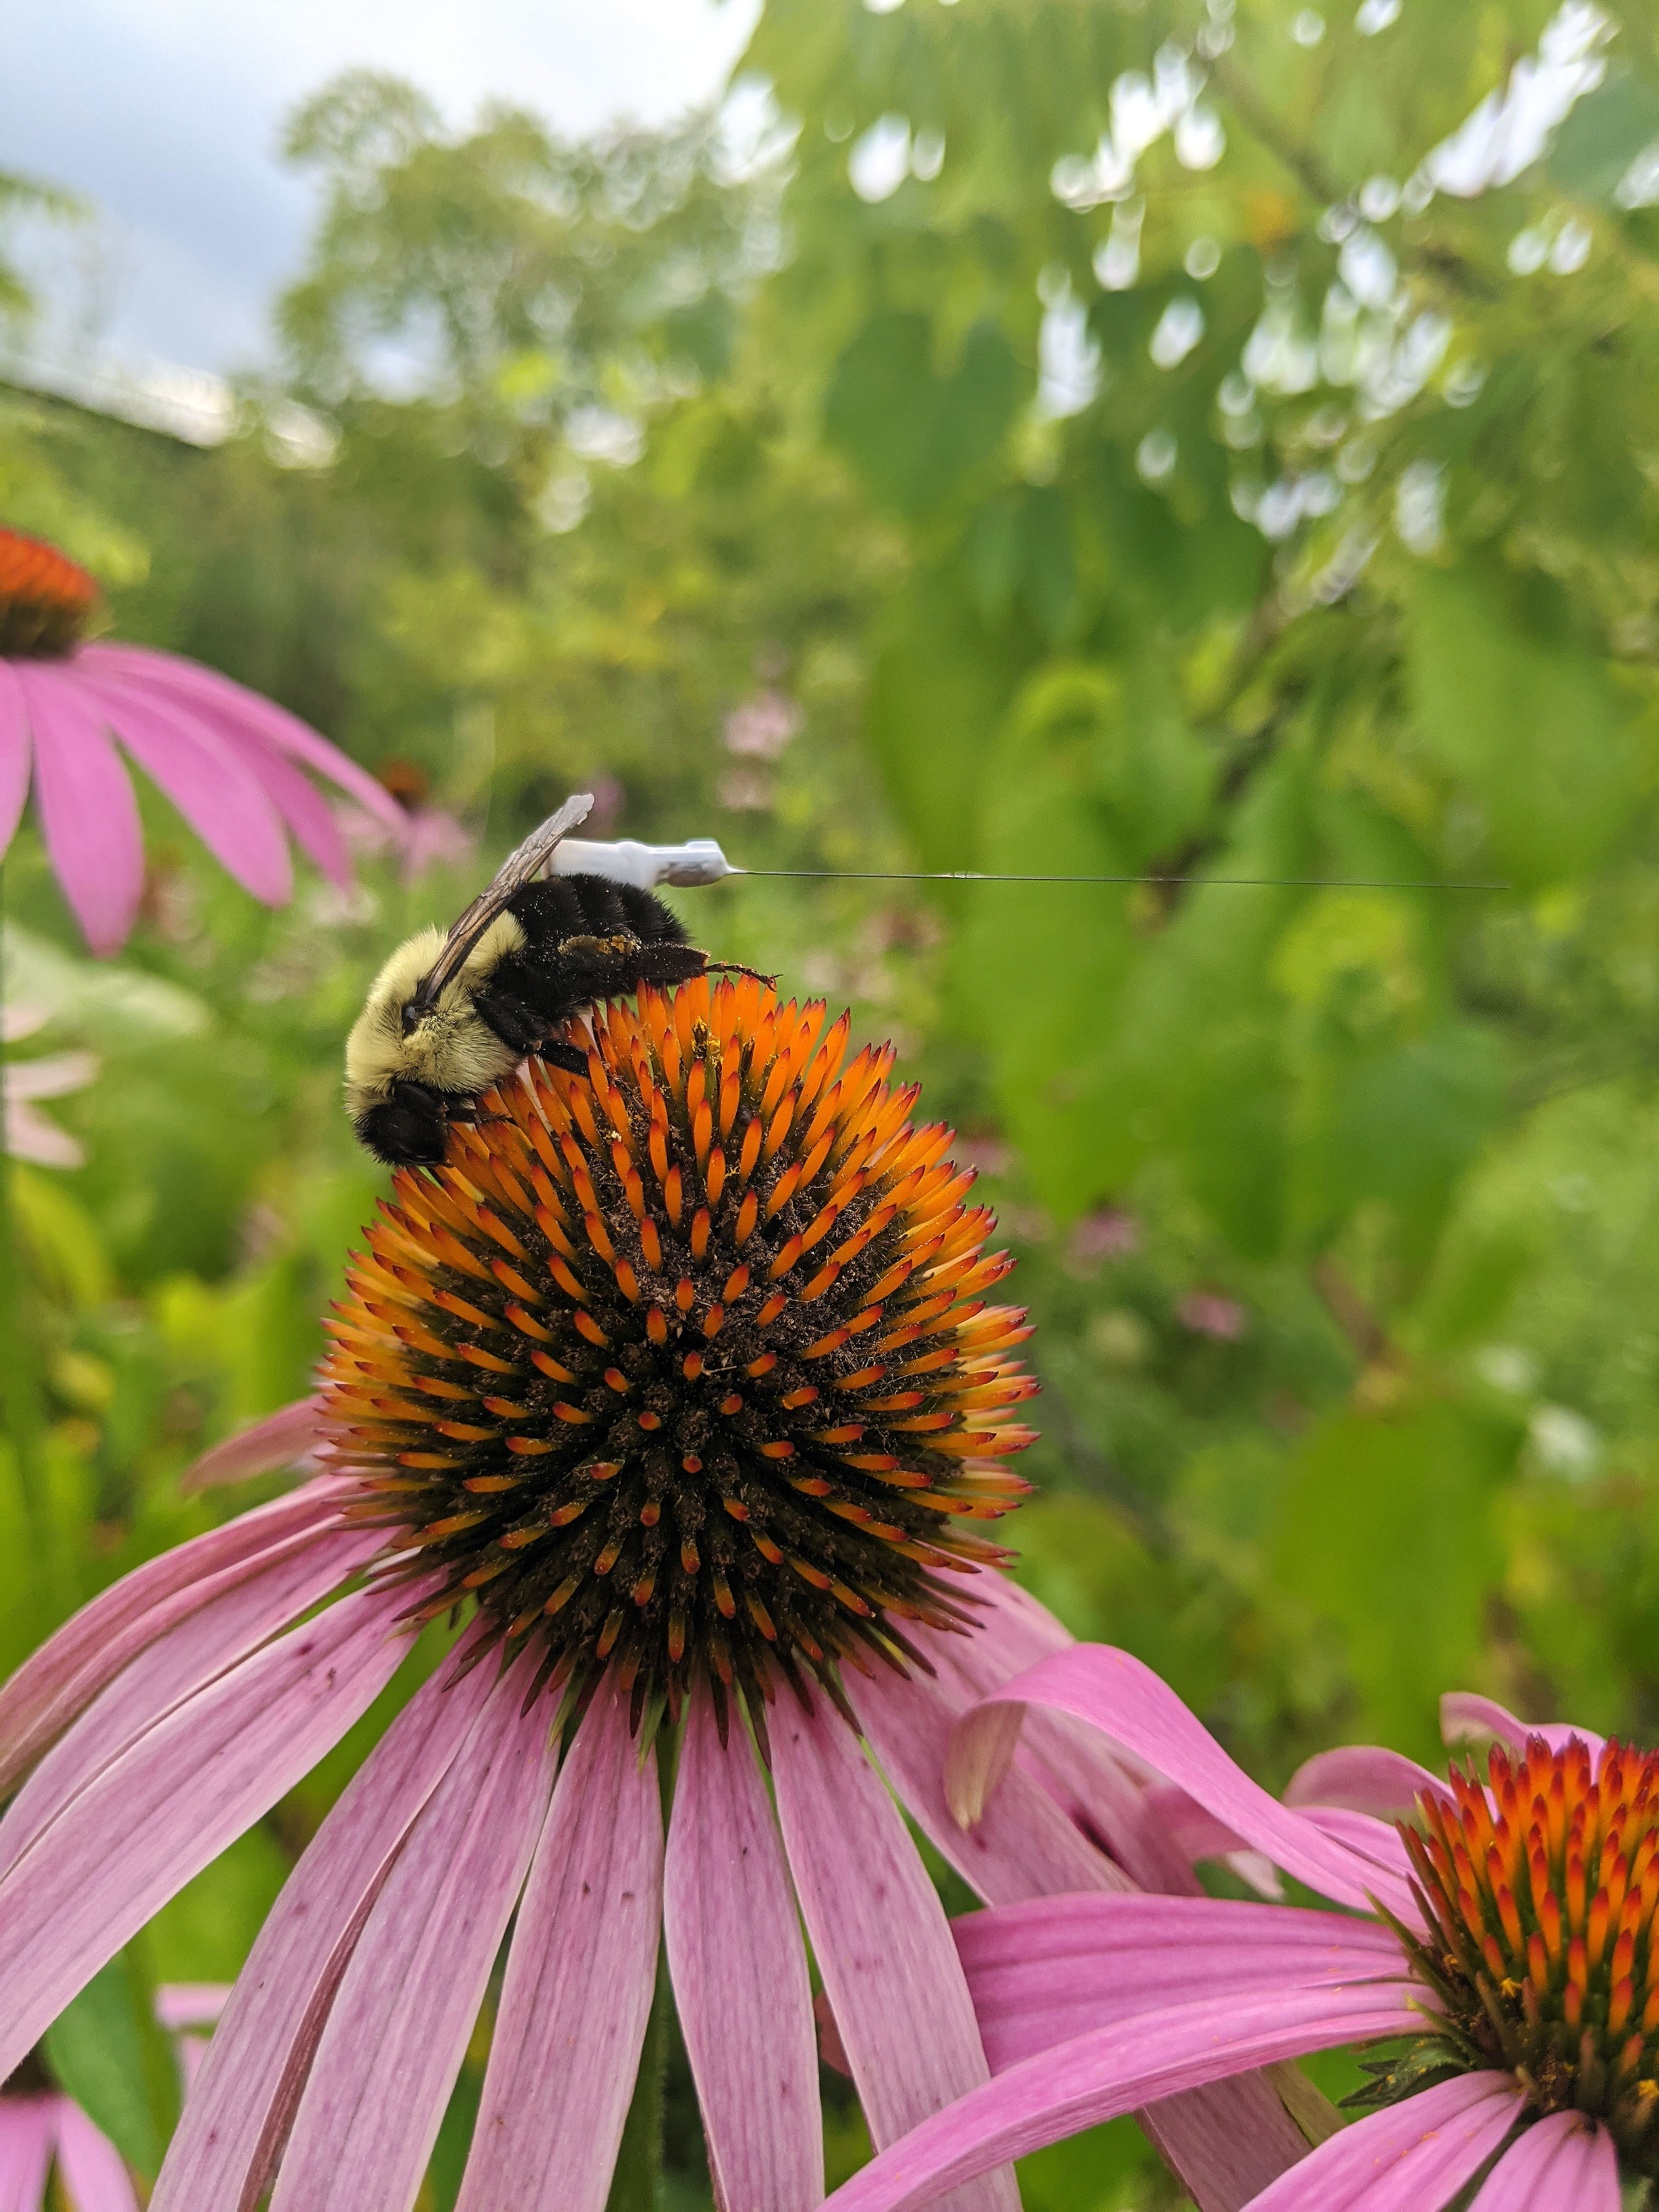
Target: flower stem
(19, 1383)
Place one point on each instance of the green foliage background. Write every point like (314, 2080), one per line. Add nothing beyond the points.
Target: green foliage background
(1251, 512)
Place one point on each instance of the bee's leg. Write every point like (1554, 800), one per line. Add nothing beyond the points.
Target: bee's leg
(570, 1057)
(517, 1024)
(661, 962)
(737, 968)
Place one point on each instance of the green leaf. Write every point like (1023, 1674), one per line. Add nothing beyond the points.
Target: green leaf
(916, 435)
(1386, 1530)
(1528, 722)
(107, 2053)
(1603, 135)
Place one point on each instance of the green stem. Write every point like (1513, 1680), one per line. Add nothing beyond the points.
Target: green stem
(20, 1382)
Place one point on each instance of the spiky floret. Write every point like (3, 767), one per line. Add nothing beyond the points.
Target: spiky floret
(685, 1369)
(1538, 1892)
(44, 599)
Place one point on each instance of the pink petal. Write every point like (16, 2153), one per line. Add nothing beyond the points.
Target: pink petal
(175, 1799)
(89, 2165)
(14, 755)
(1564, 2160)
(579, 1984)
(1105, 2073)
(1372, 1841)
(63, 1677)
(280, 1440)
(1116, 1692)
(879, 1935)
(242, 2104)
(304, 809)
(30, 1135)
(190, 2004)
(1023, 1847)
(208, 783)
(246, 718)
(1464, 1718)
(739, 1975)
(87, 812)
(384, 2066)
(51, 1075)
(1365, 1779)
(28, 2127)
(289, 1581)
(1411, 2157)
(1045, 1972)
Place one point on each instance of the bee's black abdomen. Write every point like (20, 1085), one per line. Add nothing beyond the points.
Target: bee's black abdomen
(592, 906)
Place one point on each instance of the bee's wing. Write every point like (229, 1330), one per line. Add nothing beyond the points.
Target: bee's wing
(521, 864)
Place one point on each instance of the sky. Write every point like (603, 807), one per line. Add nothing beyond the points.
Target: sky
(165, 115)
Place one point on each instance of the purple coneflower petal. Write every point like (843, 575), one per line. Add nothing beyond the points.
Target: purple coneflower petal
(175, 1799)
(242, 2103)
(304, 809)
(278, 1441)
(386, 2065)
(32, 1136)
(190, 2004)
(1366, 1779)
(89, 2165)
(739, 1973)
(87, 812)
(1116, 1692)
(28, 2127)
(1105, 2073)
(1414, 2157)
(15, 750)
(63, 1677)
(1023, 1847)
(580, 1979)
(1370, 1840)
(244, 716)
(1046, 1971)
(207, 781)
(288, 1582)
(879, 1934)
(1466, 1718)
(1566, 2160)
(53, 1075)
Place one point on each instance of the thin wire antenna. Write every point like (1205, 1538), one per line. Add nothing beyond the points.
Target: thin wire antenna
(1196, 883)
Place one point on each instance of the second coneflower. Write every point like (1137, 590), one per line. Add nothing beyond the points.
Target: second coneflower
(683, 1384)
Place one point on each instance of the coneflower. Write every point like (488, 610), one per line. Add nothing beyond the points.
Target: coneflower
(230, 762)
(684, 1385)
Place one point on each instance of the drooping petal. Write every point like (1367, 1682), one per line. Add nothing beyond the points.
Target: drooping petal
(1563, 2161)
(579, 1983)
(879, 1935)
(1413, 2156)
(1366, 1779)
(1373, 1842)
(14, 755)
(245, 717)
(175, 1799)
(303, 808)
(28, 2128)
(293, 1576)
(1466, 1718)
(242, 2101)
(87, 812)
(385, 2067)
(280, 1440)
(1105, 2073)
(1116, 1692)
(31, 1135)
(208, 783)
(63, 1677)
(89, 2165)
(1046, 1971)
(53, 1075)
(739, 1973)
(1023, 1847)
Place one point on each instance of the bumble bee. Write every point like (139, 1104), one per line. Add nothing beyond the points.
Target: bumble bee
(450, 1015)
